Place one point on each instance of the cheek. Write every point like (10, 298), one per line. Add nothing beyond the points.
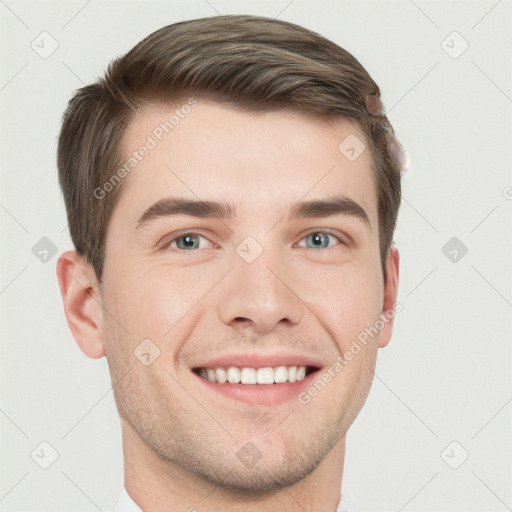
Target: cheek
(348, 300)
(135, 307)
(161, 303)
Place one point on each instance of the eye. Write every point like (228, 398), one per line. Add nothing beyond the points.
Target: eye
(188, 241)
(320, 240)
(191, 241)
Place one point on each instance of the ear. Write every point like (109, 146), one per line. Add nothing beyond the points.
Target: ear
(389, 308)
(82, 300)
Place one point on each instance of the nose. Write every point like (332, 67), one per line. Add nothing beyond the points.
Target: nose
(260, 295)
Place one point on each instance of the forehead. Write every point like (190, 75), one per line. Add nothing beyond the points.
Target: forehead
(257, 161)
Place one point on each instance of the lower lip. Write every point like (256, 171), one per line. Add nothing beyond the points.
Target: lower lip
(260, 394)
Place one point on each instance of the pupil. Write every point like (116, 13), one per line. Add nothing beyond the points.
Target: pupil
(319, 238)
(188, 241)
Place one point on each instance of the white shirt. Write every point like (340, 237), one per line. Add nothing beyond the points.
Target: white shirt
(125, 504)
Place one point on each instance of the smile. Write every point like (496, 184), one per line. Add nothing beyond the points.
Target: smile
(254, 376)
(265, 385)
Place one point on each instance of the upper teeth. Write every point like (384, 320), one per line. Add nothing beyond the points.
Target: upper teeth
(267, 375)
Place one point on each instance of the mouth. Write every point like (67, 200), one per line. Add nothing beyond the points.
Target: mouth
(264, 385)
(250, 376)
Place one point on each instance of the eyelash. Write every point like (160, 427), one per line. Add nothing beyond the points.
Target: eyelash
(196, 233)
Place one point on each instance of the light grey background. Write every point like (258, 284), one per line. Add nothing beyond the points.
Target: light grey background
(446, 375)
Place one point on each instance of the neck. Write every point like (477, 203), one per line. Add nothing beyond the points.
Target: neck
(157, 485)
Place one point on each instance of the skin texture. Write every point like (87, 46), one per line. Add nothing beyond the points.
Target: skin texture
(180, 442)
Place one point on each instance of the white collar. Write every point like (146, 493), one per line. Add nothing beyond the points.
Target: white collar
(125, 504)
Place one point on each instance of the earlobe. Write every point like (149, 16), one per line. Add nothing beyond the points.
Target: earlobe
(390, 296)
(82, 302)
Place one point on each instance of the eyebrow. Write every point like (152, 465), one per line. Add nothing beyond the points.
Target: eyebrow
(332, 205)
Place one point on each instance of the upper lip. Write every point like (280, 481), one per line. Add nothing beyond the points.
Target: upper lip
(256, 360)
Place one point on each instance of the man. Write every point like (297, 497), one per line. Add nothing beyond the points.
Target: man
(232, 186)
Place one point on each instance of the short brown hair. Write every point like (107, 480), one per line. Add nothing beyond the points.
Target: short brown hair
(253, 62)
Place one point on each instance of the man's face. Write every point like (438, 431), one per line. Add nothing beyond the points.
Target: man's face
(256, 290)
